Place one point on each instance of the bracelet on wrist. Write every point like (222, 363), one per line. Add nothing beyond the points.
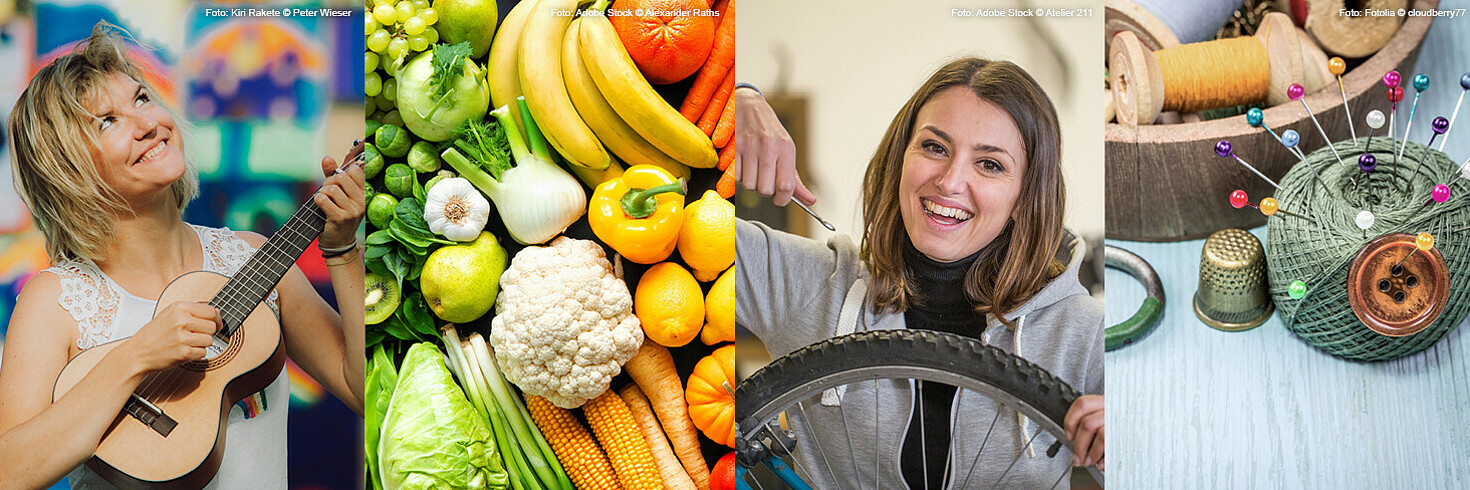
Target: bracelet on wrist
(329, 252)
(344, 258)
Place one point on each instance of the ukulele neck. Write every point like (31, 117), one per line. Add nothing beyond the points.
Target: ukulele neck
(255, 280)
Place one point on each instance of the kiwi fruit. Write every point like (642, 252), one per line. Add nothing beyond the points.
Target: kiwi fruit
(382, 297)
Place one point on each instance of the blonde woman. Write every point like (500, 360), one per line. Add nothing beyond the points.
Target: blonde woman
(101, 163)
(963, 206)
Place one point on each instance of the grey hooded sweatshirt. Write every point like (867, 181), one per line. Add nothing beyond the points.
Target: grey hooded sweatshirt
(792, 291)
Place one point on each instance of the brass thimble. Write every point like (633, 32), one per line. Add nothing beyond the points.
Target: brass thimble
(1233, 294)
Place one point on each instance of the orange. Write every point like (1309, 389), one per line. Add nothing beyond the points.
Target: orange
(669, 304)
(668, 47)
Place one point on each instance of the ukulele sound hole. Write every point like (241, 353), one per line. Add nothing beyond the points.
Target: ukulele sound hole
(219, 353)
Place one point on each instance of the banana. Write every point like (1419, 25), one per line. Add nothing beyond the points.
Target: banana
(635, 100)
(600, 116)
(546, 92)
(504, 63)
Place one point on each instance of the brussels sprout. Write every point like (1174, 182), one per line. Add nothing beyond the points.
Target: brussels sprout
(372, 126)
(380, 210)
(369, 192)
(393, 141)
(423, 158)
(399, 179)
(372, 160)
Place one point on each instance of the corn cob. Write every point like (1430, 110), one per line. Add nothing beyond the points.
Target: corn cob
(585, 463)
(620, 436)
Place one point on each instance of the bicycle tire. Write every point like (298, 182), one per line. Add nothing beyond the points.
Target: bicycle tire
(914, 354)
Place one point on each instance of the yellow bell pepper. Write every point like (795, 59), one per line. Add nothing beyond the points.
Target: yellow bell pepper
(639, 214)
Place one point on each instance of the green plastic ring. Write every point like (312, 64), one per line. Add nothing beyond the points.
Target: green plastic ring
(1148, 314)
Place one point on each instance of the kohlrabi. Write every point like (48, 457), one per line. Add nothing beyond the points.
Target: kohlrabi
(441, 89)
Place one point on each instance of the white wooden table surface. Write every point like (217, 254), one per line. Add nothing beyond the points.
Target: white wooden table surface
(1193, 407)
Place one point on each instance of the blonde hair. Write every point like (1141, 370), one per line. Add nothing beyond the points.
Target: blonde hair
(1022, 259)
(56, 177)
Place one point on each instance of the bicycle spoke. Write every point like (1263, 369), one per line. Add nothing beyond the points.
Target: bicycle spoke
(923, 444)
(954, 416)
(877, 472)
(1018, 457)
(850, 452)
(757, 481)
(976, 462)
(795, 460)
(1065, 470)
(820, 452)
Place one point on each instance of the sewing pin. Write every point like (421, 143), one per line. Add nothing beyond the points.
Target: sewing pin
(1295, 92)
(1364, 220)
(1336, 66)
(1367, 162)
(1422, 242)
(1256, 118)
(1290, 138)
(1223, 149)
(1464, 86)
(1375, 121)
(1395, 94)
(1421, 83)
(1297, 289)
(1270, 207)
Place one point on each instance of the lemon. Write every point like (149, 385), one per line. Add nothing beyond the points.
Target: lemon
(669, 304)
(719, 312)
(707, 238)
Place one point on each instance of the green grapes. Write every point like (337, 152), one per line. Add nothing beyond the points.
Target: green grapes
(374, 84)
(378, 41)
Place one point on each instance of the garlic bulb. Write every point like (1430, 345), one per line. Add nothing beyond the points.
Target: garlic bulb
(455, 209)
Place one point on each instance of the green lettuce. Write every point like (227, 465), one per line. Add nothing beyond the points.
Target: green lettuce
(431, 437)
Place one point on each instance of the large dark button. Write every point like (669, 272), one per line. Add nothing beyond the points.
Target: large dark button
(1393, 299)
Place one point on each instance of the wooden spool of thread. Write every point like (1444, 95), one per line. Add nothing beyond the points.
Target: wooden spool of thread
(1353, 37)
(1208, 75)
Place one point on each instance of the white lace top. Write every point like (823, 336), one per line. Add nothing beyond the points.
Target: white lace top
(255, 451)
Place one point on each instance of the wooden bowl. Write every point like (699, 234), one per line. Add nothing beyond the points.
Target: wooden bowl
(1164, 182)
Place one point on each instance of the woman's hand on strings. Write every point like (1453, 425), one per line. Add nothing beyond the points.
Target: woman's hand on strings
(341, 199)
(765, 156)
(1084, 426)
(177, 334)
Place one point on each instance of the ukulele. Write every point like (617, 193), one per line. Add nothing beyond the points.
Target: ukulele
(171, 431)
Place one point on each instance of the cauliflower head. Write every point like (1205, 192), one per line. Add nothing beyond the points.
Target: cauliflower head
(564, 324)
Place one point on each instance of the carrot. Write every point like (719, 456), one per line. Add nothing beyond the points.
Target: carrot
(668, 466)
(717, 105)
(653, 369)
(726, 185)
(727, 157)
(725, 129)
(720, 63)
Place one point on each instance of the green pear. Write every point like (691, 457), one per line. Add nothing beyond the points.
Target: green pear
(460, 282)
(468, 20)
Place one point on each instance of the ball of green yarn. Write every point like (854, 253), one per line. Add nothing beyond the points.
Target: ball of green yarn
(1320, 254)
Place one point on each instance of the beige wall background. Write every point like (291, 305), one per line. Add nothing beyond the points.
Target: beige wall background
(859, 61)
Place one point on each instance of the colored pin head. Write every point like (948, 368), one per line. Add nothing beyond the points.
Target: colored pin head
(1295, 91)
(1421, 82)
(1391, 79)
(1269, 206)
(1255, 117)
(1440, 125)
(1289, 138)
(1441, 193)
(1424, 242)
(1395, 94)
(1238, 199)
(1376, 119)
(1336, 66)
(1465, 81)
(1223, 148)
(1367, 162)
(1364, 219)
(1465, 170)
(1297, 289)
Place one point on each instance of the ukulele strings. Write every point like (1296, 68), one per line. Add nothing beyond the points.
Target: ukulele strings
(170, 378)
(234, 299)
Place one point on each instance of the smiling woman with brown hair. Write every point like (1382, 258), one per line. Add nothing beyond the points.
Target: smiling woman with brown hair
(963, 206)
(100, 162)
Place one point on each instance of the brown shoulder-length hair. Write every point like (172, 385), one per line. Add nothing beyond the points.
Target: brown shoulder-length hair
(1022, 259)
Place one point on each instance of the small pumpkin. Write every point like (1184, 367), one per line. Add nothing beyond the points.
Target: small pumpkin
(710, 406)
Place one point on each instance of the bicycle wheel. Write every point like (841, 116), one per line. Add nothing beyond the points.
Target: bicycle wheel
(829, 452)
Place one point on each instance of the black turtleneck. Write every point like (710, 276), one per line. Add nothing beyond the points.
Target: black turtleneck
(941, 305)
